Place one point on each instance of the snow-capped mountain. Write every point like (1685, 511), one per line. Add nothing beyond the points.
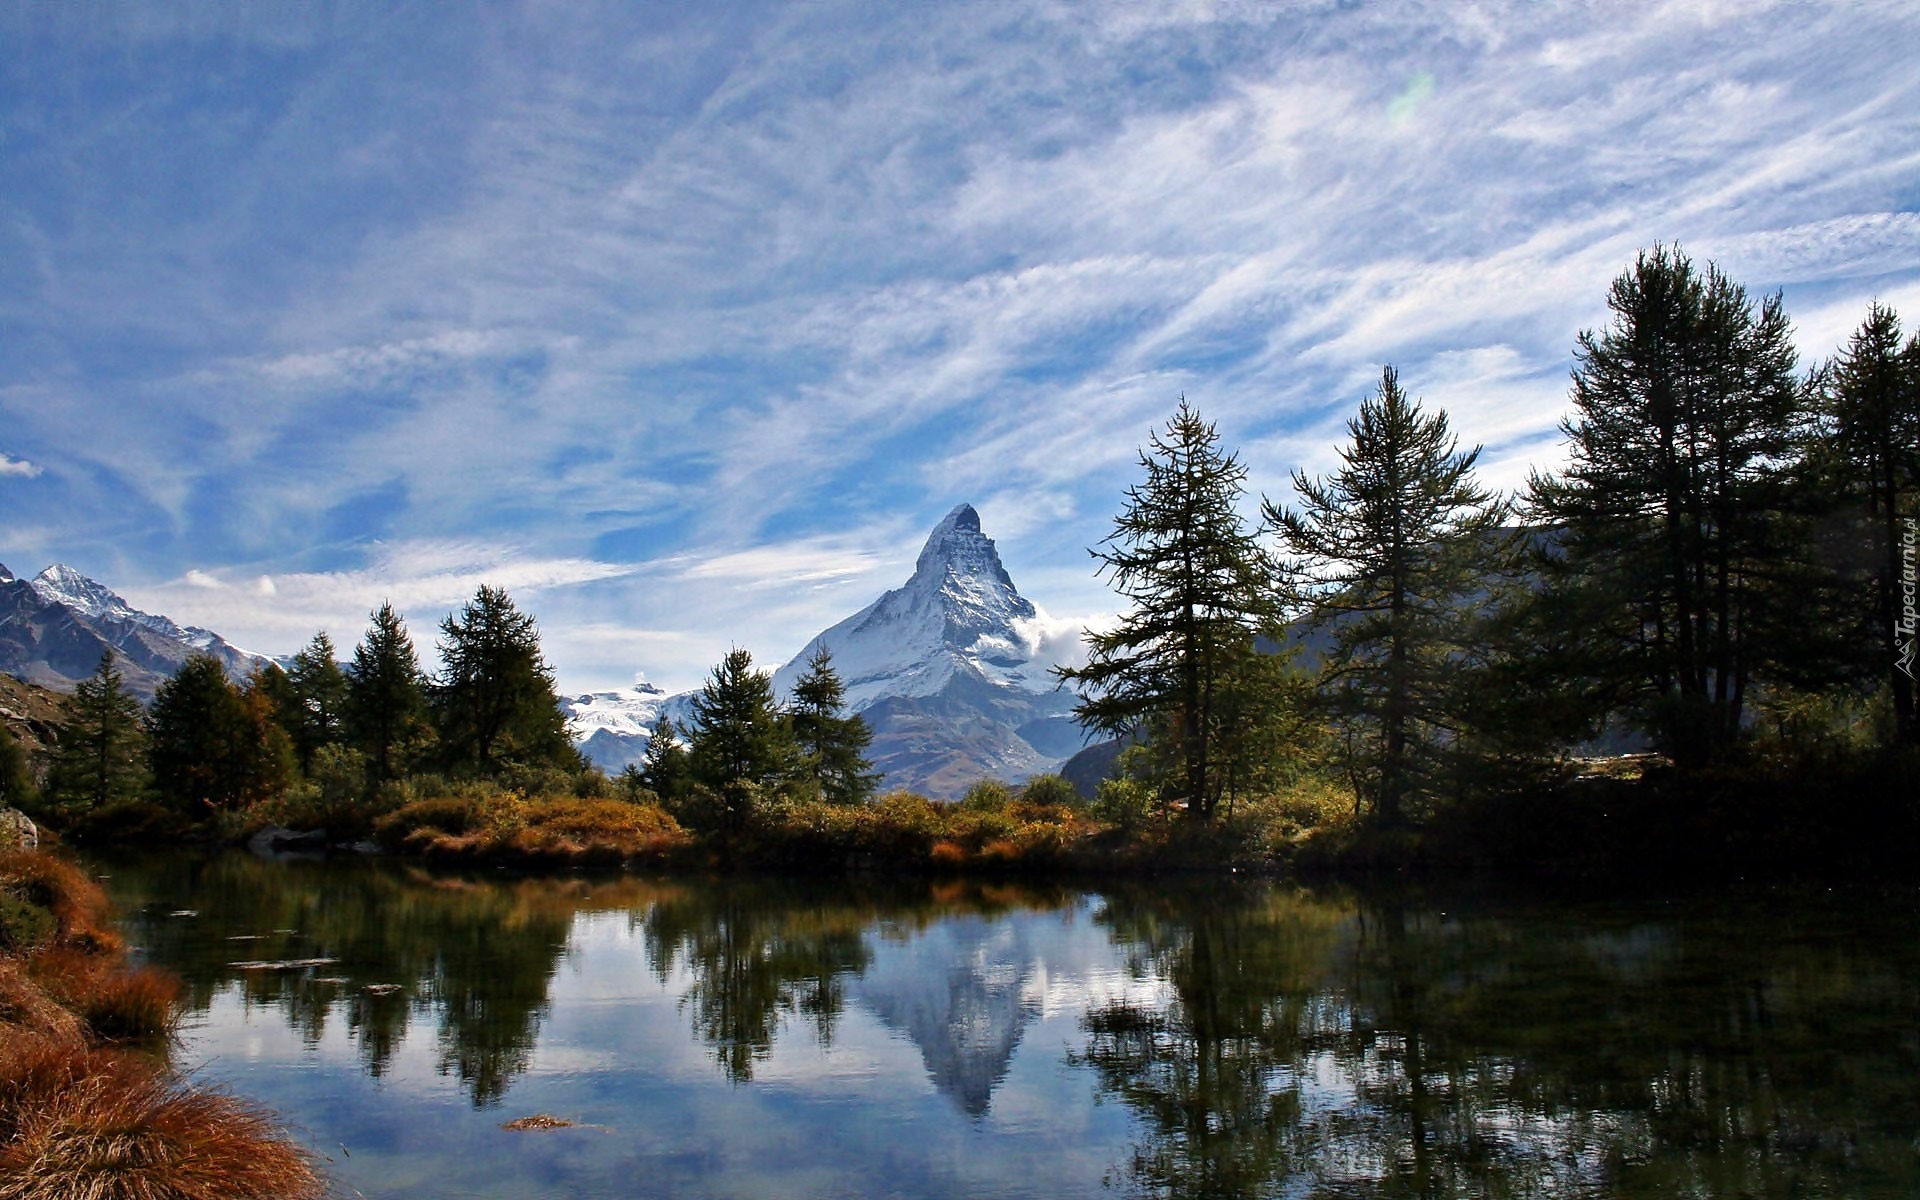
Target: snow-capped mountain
(611, 728)
(54, 627)
(951, 670)
(958, 616)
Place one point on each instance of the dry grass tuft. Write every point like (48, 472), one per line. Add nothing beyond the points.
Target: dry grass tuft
(79, 908)
(97, 1126)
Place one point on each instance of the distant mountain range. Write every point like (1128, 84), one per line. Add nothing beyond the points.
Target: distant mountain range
(950, 671)
(55, 626)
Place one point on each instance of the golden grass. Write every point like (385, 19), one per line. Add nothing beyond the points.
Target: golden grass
(88, 1125)
(82, 1120)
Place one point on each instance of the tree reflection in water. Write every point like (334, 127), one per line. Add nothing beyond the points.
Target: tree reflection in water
(1266, 1041)
(476, 956)
(1315, 1047)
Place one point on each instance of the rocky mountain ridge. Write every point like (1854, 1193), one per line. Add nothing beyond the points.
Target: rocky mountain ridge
(55, 626)
(951, 670)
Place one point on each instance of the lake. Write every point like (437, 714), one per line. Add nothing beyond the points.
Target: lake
(860, 1039)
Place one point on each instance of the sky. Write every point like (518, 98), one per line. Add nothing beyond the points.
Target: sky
(686, 323)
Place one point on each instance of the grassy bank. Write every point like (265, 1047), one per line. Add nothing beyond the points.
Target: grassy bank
(89, 1109)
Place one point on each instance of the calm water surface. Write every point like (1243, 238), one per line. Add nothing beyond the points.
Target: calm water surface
(716, 1039)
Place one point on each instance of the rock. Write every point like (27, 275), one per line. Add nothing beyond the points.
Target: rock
(17, 831)
(273, 841)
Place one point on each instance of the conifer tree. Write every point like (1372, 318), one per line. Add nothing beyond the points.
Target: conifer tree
(385, 709)
(318, 691)
(664, 769)
(832, 744)
(495, 698)
(1198, 590)
(739, 747)
(101, 757)
(1386, 553)
(212, 746)
(1871, 426)
(1673, 514)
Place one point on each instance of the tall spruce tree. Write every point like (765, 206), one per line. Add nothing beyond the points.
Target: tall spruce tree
(101, 757)
(385, 707)
(832, 744)
(1871, 426)
(1673, 514)
(1388, 553)
(1198, 590)
(495, 698)
(739, 748)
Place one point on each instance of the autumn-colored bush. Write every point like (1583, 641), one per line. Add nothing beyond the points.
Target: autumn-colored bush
(486, 821)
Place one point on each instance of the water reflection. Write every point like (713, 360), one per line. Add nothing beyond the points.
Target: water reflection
(1314, 1047)
(1260, 1041)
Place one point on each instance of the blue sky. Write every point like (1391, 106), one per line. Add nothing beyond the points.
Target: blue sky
(686, 322)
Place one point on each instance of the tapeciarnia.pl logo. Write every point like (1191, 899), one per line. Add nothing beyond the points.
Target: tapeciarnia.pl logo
(1904, 632)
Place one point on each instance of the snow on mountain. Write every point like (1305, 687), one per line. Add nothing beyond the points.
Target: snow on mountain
(950, 670)
(54, 627)
(629, 711)
(959, 614)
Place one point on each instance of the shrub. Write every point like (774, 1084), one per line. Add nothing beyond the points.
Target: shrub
(989, 795)
(1049, 791)
(24, 925)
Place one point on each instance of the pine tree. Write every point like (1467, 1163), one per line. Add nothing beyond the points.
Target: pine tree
(739, 747)
(101, 758)
(1871, 427)
(1388, 553)
(318, 691)
(495, 698)
(832, 744)
(1198, 588)
(385, 708)
(1674, 510)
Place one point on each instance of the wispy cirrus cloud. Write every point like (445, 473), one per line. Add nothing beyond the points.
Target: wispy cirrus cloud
(690, 321)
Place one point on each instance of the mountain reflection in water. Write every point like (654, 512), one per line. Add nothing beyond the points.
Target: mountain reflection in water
(1225, 1041)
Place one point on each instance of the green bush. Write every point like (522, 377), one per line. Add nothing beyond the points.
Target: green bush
(1051, 791)
(24, 925)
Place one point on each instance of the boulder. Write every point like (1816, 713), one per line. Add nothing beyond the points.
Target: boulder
(17, 831)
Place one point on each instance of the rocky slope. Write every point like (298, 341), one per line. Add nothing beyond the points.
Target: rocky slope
(55, 626)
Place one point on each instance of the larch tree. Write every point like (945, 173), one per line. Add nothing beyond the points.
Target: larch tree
(1870, 416)
(318, 691)
(101, 757)
(1387, 555)
(739, 747)
(1197, 589)
(832, 744)
(385, 707)
(495, 697)
(1673, 513)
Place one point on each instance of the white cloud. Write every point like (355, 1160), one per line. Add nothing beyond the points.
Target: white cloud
(18, 468)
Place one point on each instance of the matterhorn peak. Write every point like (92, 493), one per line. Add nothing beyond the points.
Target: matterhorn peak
(957, 549)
